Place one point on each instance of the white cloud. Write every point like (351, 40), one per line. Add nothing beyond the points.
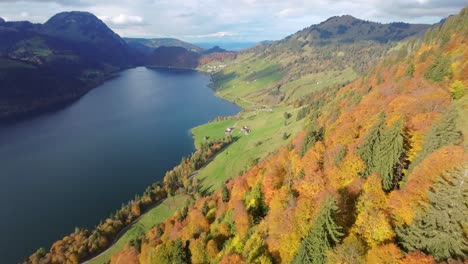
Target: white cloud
(230, 19)
(221, 34)
(122, 20)
(290, 12)
(24, 14)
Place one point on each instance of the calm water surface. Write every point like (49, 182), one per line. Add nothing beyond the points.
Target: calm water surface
(75, 166)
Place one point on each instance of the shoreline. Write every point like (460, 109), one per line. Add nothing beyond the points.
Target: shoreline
(63, 104)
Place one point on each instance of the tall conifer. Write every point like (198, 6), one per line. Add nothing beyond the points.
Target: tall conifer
(323, 235)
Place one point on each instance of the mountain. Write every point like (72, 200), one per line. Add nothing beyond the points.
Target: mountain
(45, 66)
(155, 43)
(332, 53)
(48, 65)
(371, 169)
(170, 52)
(86, 29)
(350, 29)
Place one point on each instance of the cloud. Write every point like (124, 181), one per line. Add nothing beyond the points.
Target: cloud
(290, 12)
(419, 8)
(60, 2)
(123, 21)
(221, 34)
(253, 20)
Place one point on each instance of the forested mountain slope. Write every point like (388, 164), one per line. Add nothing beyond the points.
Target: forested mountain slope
(377, 176)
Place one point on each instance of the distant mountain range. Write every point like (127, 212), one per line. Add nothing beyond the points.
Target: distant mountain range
(47, 65)
(148, 45)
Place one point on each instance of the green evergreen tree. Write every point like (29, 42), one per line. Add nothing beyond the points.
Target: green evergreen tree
(370, 146)
(323, 235)
(225, 194)
(389, 151)
(443, 133)
(410, 70)
(180, 252)
(439, 69)
(255, 203)
(172, 252)
(205, 208)
(440, 227)
(313, 135)
(302, 113)
(338, 159)
(182, 213)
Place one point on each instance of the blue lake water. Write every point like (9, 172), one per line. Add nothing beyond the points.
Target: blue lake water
(75, 166)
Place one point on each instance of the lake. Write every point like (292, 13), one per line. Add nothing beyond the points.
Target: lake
(73, 167)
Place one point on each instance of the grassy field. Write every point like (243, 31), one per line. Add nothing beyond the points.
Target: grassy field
(254, 79)
(267, 130)
(314, 82)
(144, 224)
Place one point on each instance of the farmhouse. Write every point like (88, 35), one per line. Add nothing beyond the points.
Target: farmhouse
(245, 130)
(228, 131)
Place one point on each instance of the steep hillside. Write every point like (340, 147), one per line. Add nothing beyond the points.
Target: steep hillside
(377, 176)
(330, 54)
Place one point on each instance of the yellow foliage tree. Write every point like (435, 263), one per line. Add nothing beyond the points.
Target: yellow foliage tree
(197, 250)
(372, 223)
(384, 254)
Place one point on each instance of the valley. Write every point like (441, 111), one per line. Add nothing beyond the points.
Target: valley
(346, 143)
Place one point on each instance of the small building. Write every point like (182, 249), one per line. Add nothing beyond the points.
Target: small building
(245, 130)
(228, 131)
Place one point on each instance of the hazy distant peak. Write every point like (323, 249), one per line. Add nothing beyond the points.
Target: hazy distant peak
(74, 17)
(345, 19)
(2, 20)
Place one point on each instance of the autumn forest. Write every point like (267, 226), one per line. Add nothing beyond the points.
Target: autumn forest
(376, 171)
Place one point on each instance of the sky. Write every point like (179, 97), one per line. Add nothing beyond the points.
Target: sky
(228, 20)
